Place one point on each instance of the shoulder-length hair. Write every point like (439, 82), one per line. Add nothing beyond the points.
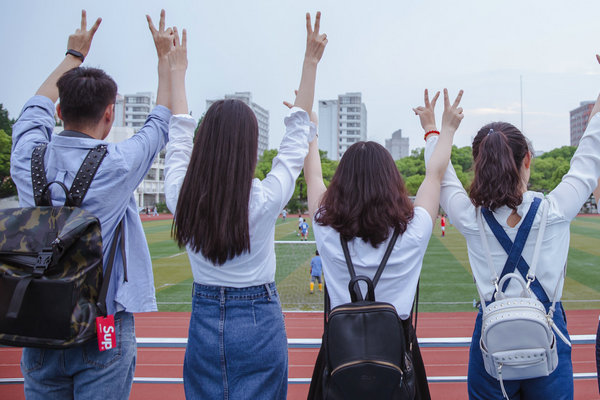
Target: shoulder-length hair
(498, 152)
(212, 210)
(366, 196)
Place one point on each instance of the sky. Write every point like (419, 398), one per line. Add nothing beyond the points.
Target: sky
(390, 50)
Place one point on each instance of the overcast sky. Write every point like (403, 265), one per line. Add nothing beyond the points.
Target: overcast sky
(388, 50)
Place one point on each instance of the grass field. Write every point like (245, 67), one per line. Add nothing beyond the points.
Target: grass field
(446, 282)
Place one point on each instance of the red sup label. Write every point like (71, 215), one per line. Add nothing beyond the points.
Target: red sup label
(105, 327)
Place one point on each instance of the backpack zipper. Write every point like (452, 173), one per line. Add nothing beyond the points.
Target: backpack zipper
(382, 306)
(384, 363)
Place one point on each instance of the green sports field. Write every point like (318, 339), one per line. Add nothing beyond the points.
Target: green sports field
(446, 282)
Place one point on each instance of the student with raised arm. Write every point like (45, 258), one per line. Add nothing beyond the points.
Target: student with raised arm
(365, 203)
(502, 162)
(87, 107)
(237, 346)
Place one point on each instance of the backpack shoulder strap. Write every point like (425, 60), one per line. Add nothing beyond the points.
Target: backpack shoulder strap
(86, 173)
(386, 256)
(82, 180)
(382, 265)
(108, 271)
(38, 176)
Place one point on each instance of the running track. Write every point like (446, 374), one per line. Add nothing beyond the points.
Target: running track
(166, 362)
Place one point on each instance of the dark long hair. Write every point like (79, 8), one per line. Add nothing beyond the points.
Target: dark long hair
(366, 196)
(498, 151)
(212, 210)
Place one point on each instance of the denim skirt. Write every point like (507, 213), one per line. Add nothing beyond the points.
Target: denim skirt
(237, 345)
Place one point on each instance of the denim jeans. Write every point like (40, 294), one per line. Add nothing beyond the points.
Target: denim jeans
(557, 385)
(83, 372)
(237, 346)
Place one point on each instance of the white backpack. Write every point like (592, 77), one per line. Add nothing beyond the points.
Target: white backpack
(517, 335)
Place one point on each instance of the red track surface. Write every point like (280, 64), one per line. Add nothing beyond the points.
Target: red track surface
(449, 361)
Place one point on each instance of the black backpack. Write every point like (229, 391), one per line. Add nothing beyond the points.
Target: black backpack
(51, 261)
(365, 350)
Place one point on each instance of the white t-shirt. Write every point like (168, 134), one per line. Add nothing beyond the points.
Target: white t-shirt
(267, 199)
(398, 281)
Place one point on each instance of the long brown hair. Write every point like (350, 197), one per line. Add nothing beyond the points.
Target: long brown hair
(366, 196)
(498, 152)
(212, 210)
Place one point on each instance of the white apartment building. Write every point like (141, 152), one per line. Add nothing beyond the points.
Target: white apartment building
(131, 111)
(342, 123)
(398, 146)
(262, 117)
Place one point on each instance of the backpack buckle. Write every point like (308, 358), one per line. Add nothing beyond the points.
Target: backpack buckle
(43, 261)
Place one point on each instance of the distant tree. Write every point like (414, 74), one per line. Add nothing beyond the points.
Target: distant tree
(548, 170)
(565, 152)
(5, 122)
(7, 186)
(413, 183)
(298, 200)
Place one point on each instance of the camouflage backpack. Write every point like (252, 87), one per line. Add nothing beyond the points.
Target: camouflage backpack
(51, 286)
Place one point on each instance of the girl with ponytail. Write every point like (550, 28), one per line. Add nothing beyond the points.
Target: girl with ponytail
(502, 162)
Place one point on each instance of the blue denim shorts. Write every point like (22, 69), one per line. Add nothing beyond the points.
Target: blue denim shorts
(237, 346)
(83, 372)
(557, 385)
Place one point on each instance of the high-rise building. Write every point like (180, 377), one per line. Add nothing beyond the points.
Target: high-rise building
(131, 111)
(342, 123)
(579, 120)
(398, 146)
(262, 117)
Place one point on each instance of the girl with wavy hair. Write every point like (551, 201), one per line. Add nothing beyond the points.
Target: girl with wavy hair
(365, 204)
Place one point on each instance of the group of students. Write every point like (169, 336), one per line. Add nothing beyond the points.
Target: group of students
(237, 346)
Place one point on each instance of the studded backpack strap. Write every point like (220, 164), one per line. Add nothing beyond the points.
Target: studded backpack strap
(86, 173)
(38, 176)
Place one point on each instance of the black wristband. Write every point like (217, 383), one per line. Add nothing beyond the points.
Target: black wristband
(75, 53)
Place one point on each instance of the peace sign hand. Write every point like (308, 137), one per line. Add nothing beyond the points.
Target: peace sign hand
(426, 114)
(81, 40)
(315, 42)
(163, 38)
(453, 114)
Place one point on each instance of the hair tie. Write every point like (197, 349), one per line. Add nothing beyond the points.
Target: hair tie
(491, 131)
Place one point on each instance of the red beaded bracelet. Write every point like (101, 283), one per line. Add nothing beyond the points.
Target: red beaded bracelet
(430, 133)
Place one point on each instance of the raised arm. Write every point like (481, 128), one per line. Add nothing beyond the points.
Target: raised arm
(313, 174)
(315, 45)
(164, 42)
(428, 195)
(178, 65)
(78, 44)
(584, 173)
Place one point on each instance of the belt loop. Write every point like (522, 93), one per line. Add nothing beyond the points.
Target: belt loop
(222, 294)
(268, 290)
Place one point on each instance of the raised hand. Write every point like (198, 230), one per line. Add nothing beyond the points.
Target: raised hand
(81, 40)
(178, 54)
(163, 38)
(178, 65)
(315, 42)
(426, 114)
(453, 114)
